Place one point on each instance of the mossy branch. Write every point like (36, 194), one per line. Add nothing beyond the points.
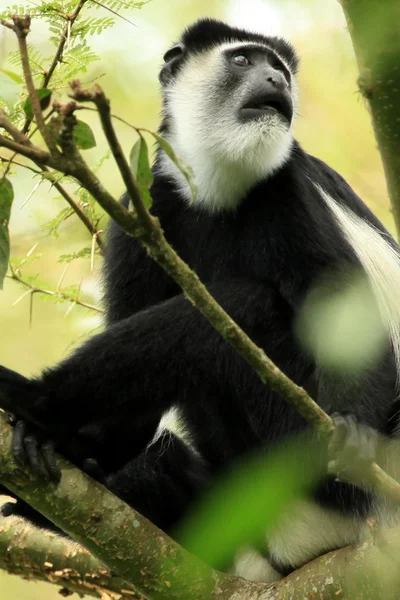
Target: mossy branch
(373, 27)
(40, 555)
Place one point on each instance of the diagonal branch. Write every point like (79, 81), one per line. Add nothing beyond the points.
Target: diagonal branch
(40, 555)
(33, 289)
(127, 543)
(150, 562)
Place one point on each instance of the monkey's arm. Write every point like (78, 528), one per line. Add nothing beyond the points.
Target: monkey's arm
(142, 365)
(132, 280)
(170, 355)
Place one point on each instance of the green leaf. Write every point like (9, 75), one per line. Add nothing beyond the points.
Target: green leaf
(9, 90)
(16, 78)
(250, 500)
(186, 170)
(140, 166)
(83, 136)
(44, 96)
(6, 200)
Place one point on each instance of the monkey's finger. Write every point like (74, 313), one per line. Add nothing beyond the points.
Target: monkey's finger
(18, 444)
(11, 419)
(49, 458)
(36, 462)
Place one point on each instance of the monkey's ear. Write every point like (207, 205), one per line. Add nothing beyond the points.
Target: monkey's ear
(171, 60)
(173, 52)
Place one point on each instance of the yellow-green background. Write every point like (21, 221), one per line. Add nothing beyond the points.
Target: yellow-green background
(333, 123)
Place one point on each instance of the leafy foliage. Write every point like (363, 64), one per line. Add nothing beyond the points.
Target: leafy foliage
(83, 136)
(6, 200)
(52, 226)
(44, 96)
(67, 258)
(250, 500)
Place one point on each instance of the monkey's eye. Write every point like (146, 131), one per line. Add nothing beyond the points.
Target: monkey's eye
(241, 60)
(279, 67)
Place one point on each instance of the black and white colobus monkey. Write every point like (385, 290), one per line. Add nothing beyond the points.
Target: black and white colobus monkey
(268, 222)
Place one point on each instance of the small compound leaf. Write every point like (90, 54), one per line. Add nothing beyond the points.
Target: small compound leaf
(6, 200)
(44, 96)
(83, 136)
(140, 166)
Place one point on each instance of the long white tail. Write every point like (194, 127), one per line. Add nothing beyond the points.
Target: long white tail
(380, 261)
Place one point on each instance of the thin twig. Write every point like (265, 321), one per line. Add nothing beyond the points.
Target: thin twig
(33, 289)
(64, 36)
(21, 139)
(114, 12)
(15, 133)
(33, 152)
(102, 103)
(58, 55)
(21, 27)
(94, 232)
(9, 161)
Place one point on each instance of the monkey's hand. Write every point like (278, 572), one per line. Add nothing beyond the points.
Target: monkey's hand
(31, 444)
(352, 449)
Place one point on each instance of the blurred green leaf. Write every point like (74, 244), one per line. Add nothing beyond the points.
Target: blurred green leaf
(44, 96)
(14, 76)
(140, 166)
(83, 136)
(340, 323)
(248, 501)
(6, 200)
(9, 89)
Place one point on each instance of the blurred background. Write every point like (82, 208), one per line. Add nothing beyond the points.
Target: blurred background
(333, 124)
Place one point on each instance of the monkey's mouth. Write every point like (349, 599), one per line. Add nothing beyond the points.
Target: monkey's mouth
(267, 104)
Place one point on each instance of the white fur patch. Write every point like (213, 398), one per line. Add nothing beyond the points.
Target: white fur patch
(380, 261)
(251, 565)
(305, 532)
(173, 421)
(227, 157)
(309, 530)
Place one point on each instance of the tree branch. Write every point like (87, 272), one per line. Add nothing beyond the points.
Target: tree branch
(40, 555)
(21, 138)
(127, 543)
(364, 572)
(33, 289)
(21, 26)
(376, 40)
(38, 156)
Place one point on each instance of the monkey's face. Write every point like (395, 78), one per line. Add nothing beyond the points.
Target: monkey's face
(228, 111)
(229, 99)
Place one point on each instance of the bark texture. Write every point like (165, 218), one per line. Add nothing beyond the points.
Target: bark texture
(374, 30)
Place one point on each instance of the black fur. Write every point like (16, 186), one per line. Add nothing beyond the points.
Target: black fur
(206, 33)
(158, 351)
